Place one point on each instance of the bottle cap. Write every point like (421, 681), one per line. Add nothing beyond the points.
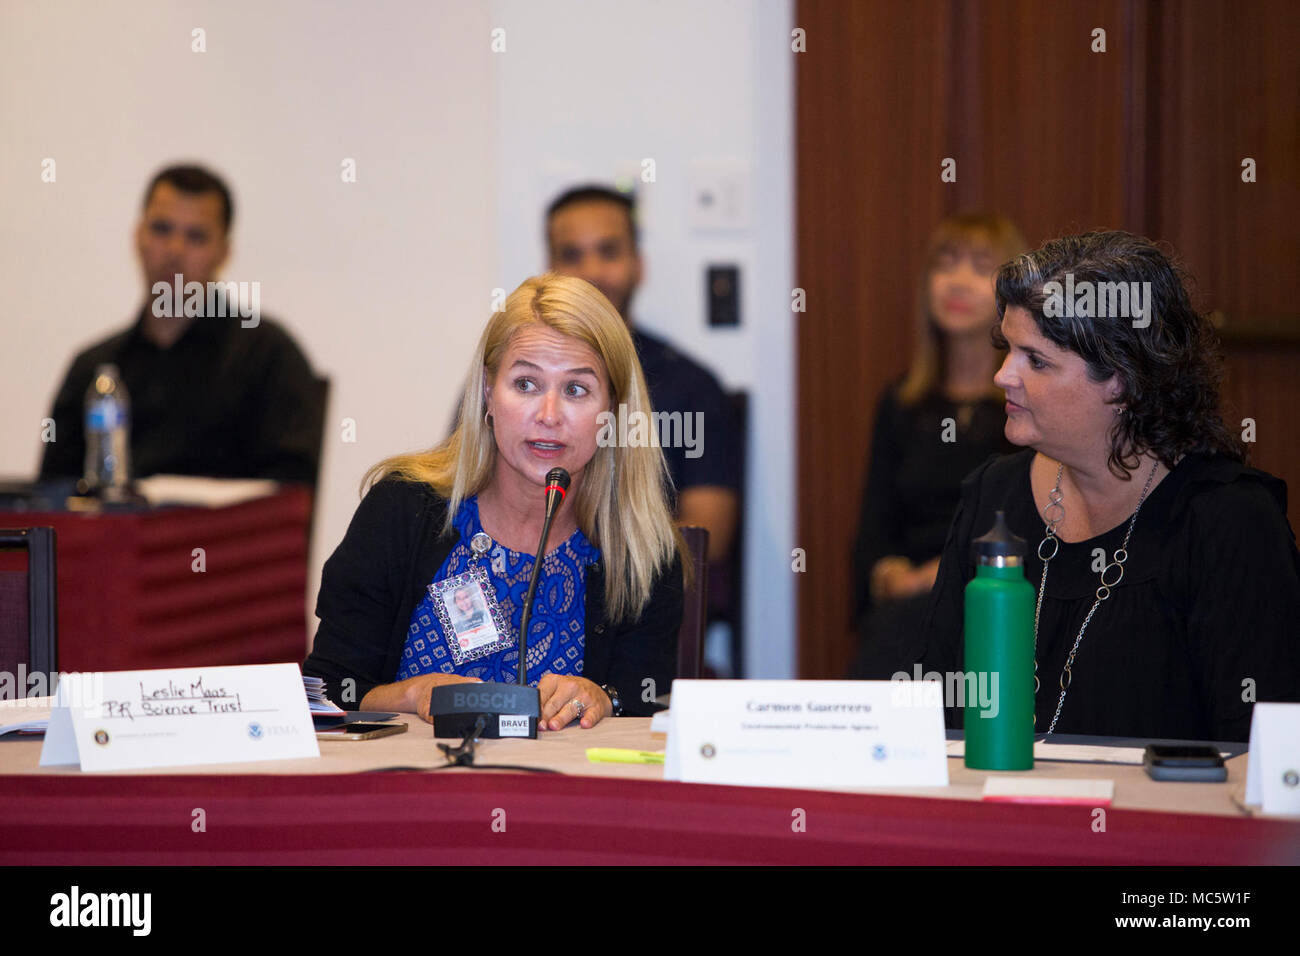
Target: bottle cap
(999, 543)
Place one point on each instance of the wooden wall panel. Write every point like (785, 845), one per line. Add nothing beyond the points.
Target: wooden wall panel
(1059, 138)
(1263, 384)
(862, 220)
(1048, 138)
(1229, 82)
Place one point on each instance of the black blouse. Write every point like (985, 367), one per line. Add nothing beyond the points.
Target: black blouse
(393, 549)
(1205, 621)
(914, 478)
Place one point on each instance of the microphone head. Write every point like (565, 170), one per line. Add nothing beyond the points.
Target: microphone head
(559, 478)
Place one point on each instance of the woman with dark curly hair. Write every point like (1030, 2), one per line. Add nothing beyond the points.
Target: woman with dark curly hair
(1167, 574)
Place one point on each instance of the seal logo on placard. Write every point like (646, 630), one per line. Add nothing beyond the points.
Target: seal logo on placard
(101, 737)
(708, 751)
(879, 752)
(255, 730)
(1291, 778)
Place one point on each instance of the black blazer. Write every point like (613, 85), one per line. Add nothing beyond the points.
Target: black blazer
(377, 575)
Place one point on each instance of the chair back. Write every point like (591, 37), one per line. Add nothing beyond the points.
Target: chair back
(29, 615)
(727, 583)
(695, 606)
(320, 403)
(321, 406)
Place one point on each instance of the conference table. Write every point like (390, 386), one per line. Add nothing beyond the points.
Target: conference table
(393, 800)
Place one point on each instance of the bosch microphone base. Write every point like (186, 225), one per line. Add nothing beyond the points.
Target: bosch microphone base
(511, 710)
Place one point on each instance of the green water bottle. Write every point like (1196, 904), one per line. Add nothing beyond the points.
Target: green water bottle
(999, 714)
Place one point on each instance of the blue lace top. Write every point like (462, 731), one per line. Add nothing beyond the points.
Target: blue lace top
(556, 630)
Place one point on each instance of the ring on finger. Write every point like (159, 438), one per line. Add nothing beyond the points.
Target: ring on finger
(577, 706)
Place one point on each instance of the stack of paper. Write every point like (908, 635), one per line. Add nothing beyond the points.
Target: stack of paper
(32, 728)
(318, 703)
(25, 717)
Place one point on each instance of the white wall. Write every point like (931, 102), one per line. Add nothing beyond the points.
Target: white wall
(588, 91)
(386, 282)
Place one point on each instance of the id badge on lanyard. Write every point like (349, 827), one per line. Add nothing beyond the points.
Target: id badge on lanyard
(472, 621)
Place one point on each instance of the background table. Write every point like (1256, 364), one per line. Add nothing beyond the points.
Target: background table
(329, 811)
(130, 599)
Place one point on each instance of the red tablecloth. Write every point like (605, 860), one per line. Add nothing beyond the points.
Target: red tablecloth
(446, 818)
(130, 597)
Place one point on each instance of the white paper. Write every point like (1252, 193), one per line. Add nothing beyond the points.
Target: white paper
(197, 491)
(179, 717)
(26, 713)
(1072, 753)
(31, 726)
(812, 734)
(1273, 766)
(1088, 792)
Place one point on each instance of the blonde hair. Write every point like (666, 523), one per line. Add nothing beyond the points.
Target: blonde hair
(989, 230)
(621, 504)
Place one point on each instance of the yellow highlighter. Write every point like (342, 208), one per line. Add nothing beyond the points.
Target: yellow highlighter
(623, 755)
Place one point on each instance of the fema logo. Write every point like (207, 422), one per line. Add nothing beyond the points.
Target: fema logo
(1291, 778)
(255, 730)
(879, 752)
(101, 737)
(708, 751)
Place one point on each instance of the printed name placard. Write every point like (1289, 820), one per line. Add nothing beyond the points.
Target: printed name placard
(1273, 767)
(811, 734)
(126, 720)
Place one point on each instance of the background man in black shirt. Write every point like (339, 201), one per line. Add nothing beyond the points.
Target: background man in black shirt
(210, 395)
(591, 234)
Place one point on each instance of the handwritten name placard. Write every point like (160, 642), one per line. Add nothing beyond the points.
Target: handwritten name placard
(127, 720)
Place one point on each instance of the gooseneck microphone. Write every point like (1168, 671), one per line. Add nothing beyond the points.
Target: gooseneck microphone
(557, 486)
(492, 709)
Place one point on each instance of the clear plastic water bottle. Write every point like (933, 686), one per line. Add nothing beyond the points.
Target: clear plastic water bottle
(108, 435)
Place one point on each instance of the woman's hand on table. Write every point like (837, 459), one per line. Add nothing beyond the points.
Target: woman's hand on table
(558, 694)
(423, 685)
(412, 695)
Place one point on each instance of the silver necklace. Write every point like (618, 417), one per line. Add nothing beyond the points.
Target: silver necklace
(1053, 515)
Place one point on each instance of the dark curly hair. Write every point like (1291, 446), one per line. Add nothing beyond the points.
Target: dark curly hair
(1169, 371)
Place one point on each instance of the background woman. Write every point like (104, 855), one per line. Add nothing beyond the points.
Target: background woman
(933, 427)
